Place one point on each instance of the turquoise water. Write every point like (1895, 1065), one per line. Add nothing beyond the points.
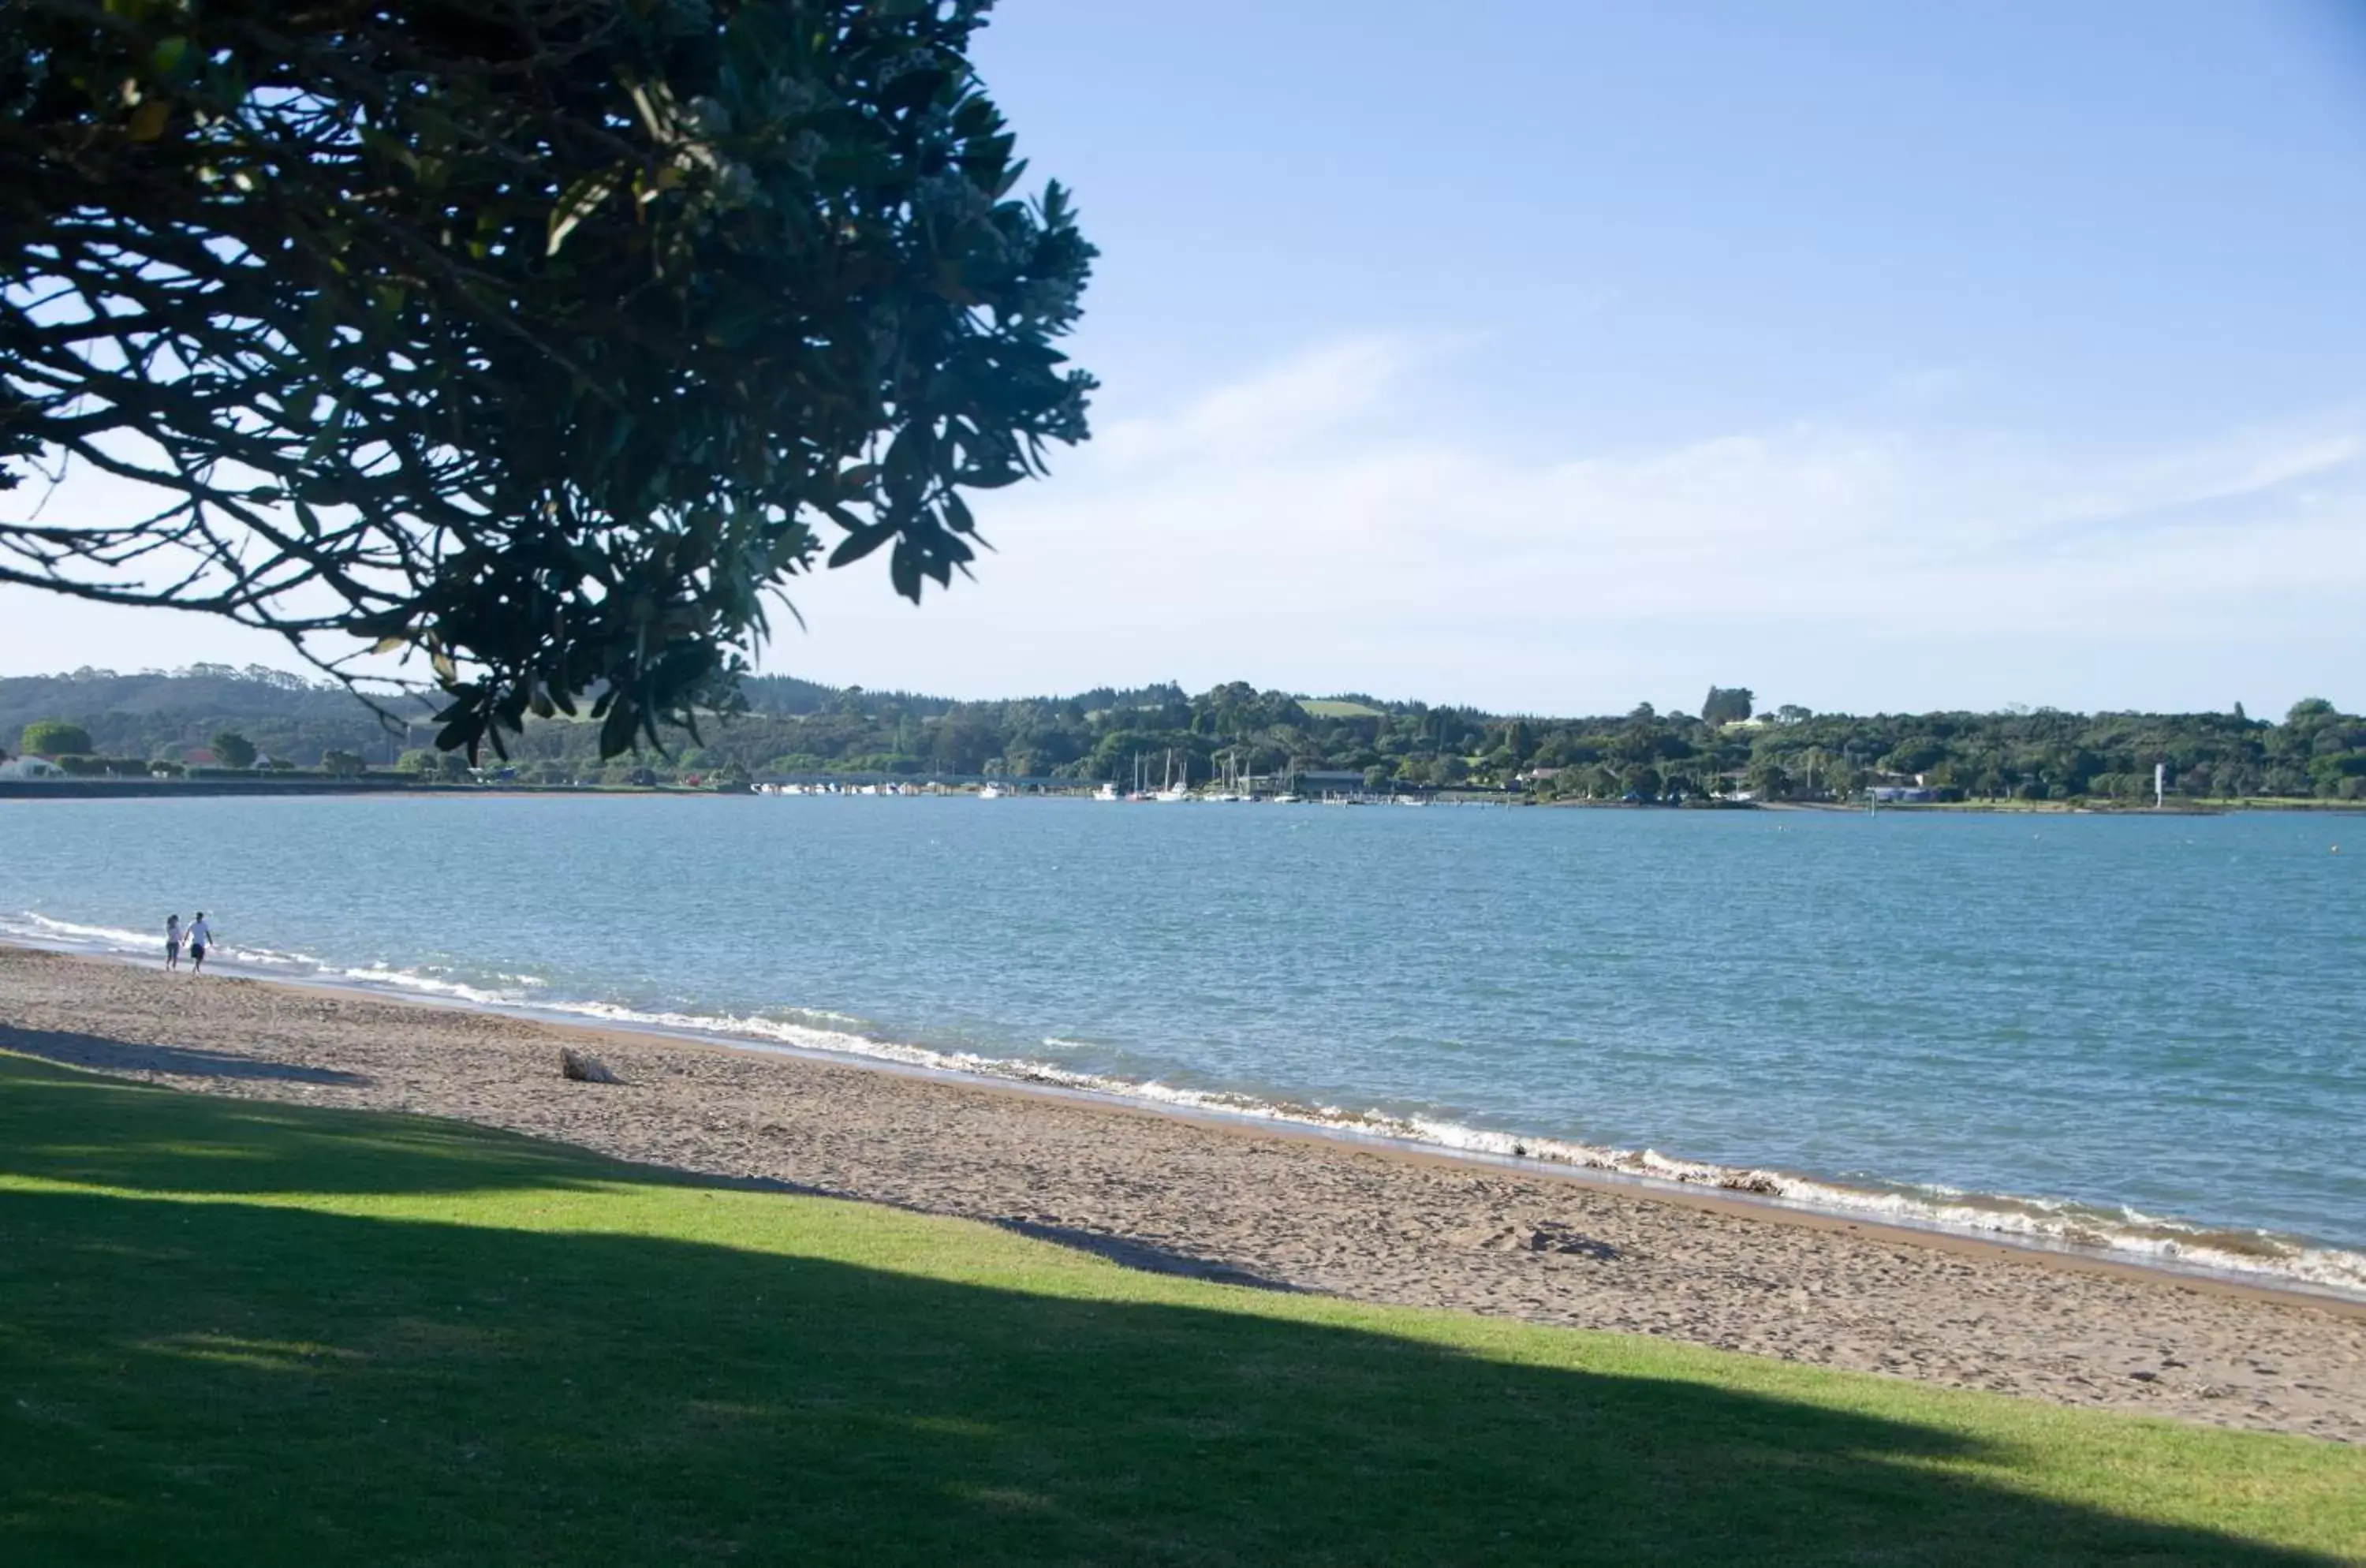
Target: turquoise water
(2111, 1022)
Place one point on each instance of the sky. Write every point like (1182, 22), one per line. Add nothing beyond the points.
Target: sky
(1552, 356)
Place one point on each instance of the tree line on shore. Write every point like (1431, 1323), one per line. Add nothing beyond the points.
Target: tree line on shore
(213, 716)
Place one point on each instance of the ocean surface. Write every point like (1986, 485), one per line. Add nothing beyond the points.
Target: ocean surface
(2146, 1034)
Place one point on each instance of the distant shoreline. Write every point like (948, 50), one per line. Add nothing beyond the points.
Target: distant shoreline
(366, 785)
(1239, 740)
(382, 784)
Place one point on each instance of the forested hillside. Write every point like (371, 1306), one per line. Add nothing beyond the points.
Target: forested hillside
(797, 727)
(172, 717)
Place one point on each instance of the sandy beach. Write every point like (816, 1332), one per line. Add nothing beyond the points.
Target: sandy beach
(1249, 1203)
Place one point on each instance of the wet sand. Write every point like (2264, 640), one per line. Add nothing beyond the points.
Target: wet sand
(1250, 1203)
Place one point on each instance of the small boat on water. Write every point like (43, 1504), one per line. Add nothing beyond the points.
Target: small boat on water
(989, 792)
(1107, 792)
(1176, 789)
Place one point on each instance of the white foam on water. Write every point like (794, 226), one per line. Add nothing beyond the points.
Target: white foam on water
(40, 930)
(2048, 1223)
(378, 976)
(44, 931)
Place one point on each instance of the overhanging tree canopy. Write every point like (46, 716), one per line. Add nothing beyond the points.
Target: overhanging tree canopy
(543, 336)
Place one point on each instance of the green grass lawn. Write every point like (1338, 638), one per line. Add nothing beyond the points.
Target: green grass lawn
(243, 1333)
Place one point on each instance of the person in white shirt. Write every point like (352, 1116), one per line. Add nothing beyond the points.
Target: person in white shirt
(172, 941)
(201, 937)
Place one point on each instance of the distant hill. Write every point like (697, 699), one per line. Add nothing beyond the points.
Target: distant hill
(162, 715)
(795, 726)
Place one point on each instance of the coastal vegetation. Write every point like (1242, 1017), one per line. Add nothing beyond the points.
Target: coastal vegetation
(542, 340)
(50, 737)
(261, 1332)
(793, 727)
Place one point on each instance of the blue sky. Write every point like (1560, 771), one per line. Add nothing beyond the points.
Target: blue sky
(1556, 356)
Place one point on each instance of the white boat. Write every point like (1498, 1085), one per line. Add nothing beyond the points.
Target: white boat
(1174, 789)
(989, 792)
(1107, 792)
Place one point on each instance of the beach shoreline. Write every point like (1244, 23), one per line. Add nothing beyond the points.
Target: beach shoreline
(1235, 1198)
(2223, 1252)
(1711, 1196)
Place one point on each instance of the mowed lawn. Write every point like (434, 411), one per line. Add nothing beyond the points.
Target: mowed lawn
(241, 1333)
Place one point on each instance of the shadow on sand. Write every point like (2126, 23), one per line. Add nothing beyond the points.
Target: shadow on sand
(102, 1055)
(159, 1141)
(1141, 1255)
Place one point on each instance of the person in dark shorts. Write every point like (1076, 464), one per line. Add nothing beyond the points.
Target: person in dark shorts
(201, 937)
(172, 941)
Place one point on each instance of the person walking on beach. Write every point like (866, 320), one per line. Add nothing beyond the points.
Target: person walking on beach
(172, 941)
(201, 937)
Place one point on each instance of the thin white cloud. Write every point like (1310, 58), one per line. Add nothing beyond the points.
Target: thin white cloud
(1280, 408)
(1298, 527)
(1310, 525)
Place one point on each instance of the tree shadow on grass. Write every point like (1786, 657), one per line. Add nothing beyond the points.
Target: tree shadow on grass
(209, 1382)
(157, 1139)
(221, 1383)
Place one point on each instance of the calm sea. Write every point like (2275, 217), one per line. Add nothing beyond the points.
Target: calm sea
(2145, 1033)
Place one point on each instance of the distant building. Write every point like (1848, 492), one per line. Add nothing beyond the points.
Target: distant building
(29, 768)
(1325, 781)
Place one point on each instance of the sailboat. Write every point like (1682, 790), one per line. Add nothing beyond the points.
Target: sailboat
(1174, 791)
(1231, 792)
